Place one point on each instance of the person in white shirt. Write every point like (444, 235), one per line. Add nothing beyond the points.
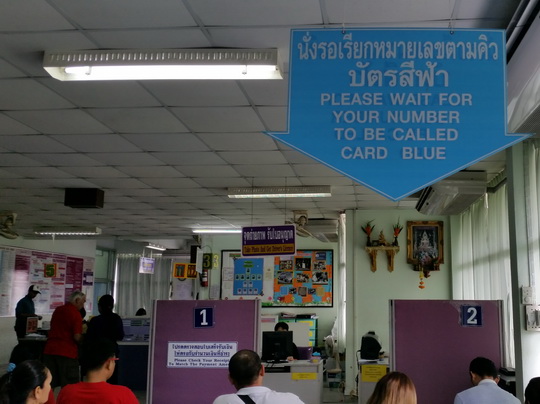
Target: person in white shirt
(246, 374)
(484, 377)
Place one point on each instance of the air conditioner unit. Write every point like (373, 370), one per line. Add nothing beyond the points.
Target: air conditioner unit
(325, 230)
(453, 194)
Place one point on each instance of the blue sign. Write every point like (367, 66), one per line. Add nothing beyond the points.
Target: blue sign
(397, 109)
(269, 240)
(203, 317)
(471, 316)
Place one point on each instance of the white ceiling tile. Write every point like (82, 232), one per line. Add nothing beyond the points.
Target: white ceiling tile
(19, 160)
(275, 118)
(33, 144)
(9, 126)
(31, 15)
(238, 141)
(118, 183)
(126, 159)
(209, 93)
(219, 119)
(169, 183)
(126, 13)
(265, 170)
(150, 38)
(190, 158)
(267, 92)
(18, 94)
(8, 71)
(208, 171)
(151, 171)
(253, 157)
(97, 143)
(59, 121)
(167, 142)
(139, 120)
(64, 160)
(95, 172)
(41, 172)
(258, 12)
(103, 94)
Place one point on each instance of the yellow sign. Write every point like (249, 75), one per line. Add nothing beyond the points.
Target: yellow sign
(304, 376)
(373, 373)
(184, 271)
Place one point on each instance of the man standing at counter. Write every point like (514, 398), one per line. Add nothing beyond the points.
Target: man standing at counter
(62, 350)
(25, 308)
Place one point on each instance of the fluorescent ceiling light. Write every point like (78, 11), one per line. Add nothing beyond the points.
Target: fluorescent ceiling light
(280, 192)
(155, 247)
(217, 231)
(163, 64)
(67, 231)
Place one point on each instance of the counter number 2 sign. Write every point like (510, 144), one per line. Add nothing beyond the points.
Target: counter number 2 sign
(203, 317)
(471, 316)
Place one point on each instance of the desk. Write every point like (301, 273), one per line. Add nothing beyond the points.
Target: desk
(301, 377)
(133, 369)
(365, 385)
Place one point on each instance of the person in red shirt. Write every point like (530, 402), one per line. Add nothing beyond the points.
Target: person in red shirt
(61, 350)
(99, 360)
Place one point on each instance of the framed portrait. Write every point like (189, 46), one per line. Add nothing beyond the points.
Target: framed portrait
(425, 245)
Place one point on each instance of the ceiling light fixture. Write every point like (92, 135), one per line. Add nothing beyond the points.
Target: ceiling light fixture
(163, 64)
(217, 231)
(280, 192)
(155, 247)
(67, 231)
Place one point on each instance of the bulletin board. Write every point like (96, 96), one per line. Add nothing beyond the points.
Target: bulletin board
(58, 275)
(303, 279)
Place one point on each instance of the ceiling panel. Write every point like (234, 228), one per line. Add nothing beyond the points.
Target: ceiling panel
(166, 152)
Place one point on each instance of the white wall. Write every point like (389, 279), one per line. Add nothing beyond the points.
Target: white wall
(327, 315)
(369, 293)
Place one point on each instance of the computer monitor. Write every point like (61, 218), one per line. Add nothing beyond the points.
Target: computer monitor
(277, 345)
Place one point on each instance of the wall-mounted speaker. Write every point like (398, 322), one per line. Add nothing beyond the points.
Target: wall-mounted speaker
(84, 198)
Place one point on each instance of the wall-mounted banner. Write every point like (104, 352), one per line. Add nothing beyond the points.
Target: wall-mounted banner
(269, 240)
(397, 109)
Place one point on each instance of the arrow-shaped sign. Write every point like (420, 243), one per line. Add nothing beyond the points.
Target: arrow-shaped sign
(397, 110)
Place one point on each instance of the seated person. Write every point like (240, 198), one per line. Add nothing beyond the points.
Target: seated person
(370, 346)
(99, 360)
(282, 326)
(246, 374)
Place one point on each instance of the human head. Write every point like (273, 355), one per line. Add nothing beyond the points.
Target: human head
(97, 354)
(141, 312)
(105, 304)
(78, 299)
(245, 368)
(532, 391)
(394, 388)
(281, 326)
(29, 379)
(482, 368)
(33, 291)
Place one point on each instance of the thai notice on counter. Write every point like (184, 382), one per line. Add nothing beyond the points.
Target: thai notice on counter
(397, 109)
(200, 354)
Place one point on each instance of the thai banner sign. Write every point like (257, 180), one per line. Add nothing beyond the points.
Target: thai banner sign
(397, 109)
(269, 240)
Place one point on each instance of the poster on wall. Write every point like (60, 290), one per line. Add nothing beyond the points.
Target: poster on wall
(57, 275)
(303, 279)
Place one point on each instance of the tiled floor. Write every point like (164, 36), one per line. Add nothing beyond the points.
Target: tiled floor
(330, 396)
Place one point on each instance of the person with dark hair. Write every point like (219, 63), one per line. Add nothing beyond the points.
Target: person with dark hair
(28, 383)
(141, 312)
(107, 325)
(283, 326)
(25, 308)
(532, 391)
(246, 374)
(62, 350)
(370, 347)
(394, 388)
(99, 359)
(484, 378)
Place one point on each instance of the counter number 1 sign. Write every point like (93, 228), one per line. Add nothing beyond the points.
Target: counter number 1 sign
(204, 317)
(471, 316)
